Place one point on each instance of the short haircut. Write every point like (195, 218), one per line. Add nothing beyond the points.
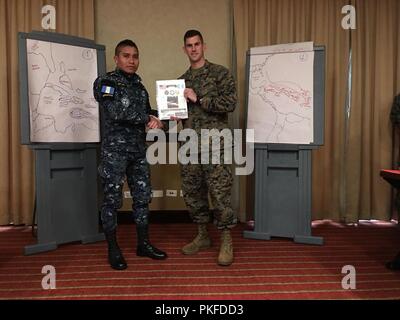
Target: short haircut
(125, 43)
(192, 33)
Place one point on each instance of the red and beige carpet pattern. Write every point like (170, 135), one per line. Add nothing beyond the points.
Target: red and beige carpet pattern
(275, 269)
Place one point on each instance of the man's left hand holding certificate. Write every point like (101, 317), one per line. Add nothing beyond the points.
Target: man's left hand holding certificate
(171, 102)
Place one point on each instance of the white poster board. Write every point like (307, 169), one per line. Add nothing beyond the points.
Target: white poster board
(60, 89)
(280, 94)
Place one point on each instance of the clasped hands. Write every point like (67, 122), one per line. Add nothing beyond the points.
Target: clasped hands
(154, 123)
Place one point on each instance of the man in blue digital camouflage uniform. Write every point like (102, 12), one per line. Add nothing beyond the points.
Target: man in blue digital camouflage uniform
(125, 112)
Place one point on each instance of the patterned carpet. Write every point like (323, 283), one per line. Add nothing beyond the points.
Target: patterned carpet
(263, 270)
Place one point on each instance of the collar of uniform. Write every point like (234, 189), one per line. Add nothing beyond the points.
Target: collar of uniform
(200, 71)
(130, 77)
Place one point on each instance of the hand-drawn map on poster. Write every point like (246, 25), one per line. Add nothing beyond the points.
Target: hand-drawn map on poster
(61, 102)
(280, 97)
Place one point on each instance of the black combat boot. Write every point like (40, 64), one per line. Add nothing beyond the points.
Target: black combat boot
(115, 257)
(144, 247)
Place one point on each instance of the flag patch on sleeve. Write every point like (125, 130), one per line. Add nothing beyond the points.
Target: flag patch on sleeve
(107, 91)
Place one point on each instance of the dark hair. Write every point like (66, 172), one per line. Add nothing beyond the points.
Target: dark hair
(192, 33)
(124, 43)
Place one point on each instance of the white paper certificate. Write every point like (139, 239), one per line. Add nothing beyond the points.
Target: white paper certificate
(170, 99)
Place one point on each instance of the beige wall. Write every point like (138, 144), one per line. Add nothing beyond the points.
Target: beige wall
(157, 27)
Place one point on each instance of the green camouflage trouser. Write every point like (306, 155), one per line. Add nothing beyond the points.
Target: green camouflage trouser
(199, 180)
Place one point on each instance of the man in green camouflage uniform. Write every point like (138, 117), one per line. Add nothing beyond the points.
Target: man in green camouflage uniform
(211, 94)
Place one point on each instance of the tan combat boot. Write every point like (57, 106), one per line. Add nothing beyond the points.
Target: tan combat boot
(202, 241)
(225, 257)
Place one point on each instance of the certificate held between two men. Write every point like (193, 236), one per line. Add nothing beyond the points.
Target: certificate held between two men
(170, 99)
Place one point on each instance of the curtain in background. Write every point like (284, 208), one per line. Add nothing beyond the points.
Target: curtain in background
(73, 17)
(346, 182)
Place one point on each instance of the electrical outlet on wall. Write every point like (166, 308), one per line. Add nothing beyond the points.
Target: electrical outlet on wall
(127, 195)
(172, 193)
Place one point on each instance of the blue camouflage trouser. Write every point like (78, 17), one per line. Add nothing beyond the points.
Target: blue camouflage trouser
(113, 168)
